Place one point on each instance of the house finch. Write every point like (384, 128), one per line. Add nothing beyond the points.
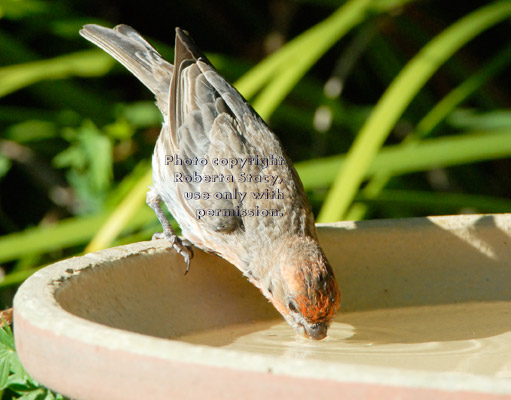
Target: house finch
(225, 178)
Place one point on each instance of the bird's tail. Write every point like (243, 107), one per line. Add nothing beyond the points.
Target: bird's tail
(129, 48)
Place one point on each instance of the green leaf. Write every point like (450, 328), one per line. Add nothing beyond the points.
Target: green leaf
(20, 383)
(98, 151)
(67, 233)
(37, 394)
(5, 165)
(18, 9)
(4, 371)
(123, 213)
(90, 163)
(17, 368)
(141, 114)
(121, 129)
(72, 157)
(6, 338)
(438, 200)
(446, 106)
(28, 131)
(471, 119)
(402, 159)
(83, 63)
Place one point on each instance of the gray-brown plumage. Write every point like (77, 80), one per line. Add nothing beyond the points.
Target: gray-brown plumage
(205, 117)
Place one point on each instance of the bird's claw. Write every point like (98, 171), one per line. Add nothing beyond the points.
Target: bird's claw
(183, 247)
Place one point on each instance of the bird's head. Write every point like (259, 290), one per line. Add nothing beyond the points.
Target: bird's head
(302, 286)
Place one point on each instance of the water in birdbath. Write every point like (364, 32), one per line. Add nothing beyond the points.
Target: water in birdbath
(466, 337)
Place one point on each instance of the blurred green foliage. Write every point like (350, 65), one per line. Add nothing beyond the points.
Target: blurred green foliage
(390, 108)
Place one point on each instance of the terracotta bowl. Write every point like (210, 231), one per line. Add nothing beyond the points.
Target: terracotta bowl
(426, 313)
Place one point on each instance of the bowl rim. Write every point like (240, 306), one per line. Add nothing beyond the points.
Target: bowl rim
(43, 313)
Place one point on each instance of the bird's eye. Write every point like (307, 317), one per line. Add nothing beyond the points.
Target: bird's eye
(292, 306)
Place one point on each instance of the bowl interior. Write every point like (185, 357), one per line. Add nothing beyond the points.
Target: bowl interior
(406, 285)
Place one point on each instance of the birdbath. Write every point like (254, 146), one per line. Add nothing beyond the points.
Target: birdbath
(426, 312)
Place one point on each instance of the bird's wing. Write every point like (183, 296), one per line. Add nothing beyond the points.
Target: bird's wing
(254, 139)
(209, 118)
(195, 109)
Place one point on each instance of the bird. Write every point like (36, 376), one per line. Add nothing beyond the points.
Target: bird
(226, 179)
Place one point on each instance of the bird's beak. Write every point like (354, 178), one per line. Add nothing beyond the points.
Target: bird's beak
(314, 331)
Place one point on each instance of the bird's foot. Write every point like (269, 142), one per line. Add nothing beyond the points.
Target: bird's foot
(182, 246)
